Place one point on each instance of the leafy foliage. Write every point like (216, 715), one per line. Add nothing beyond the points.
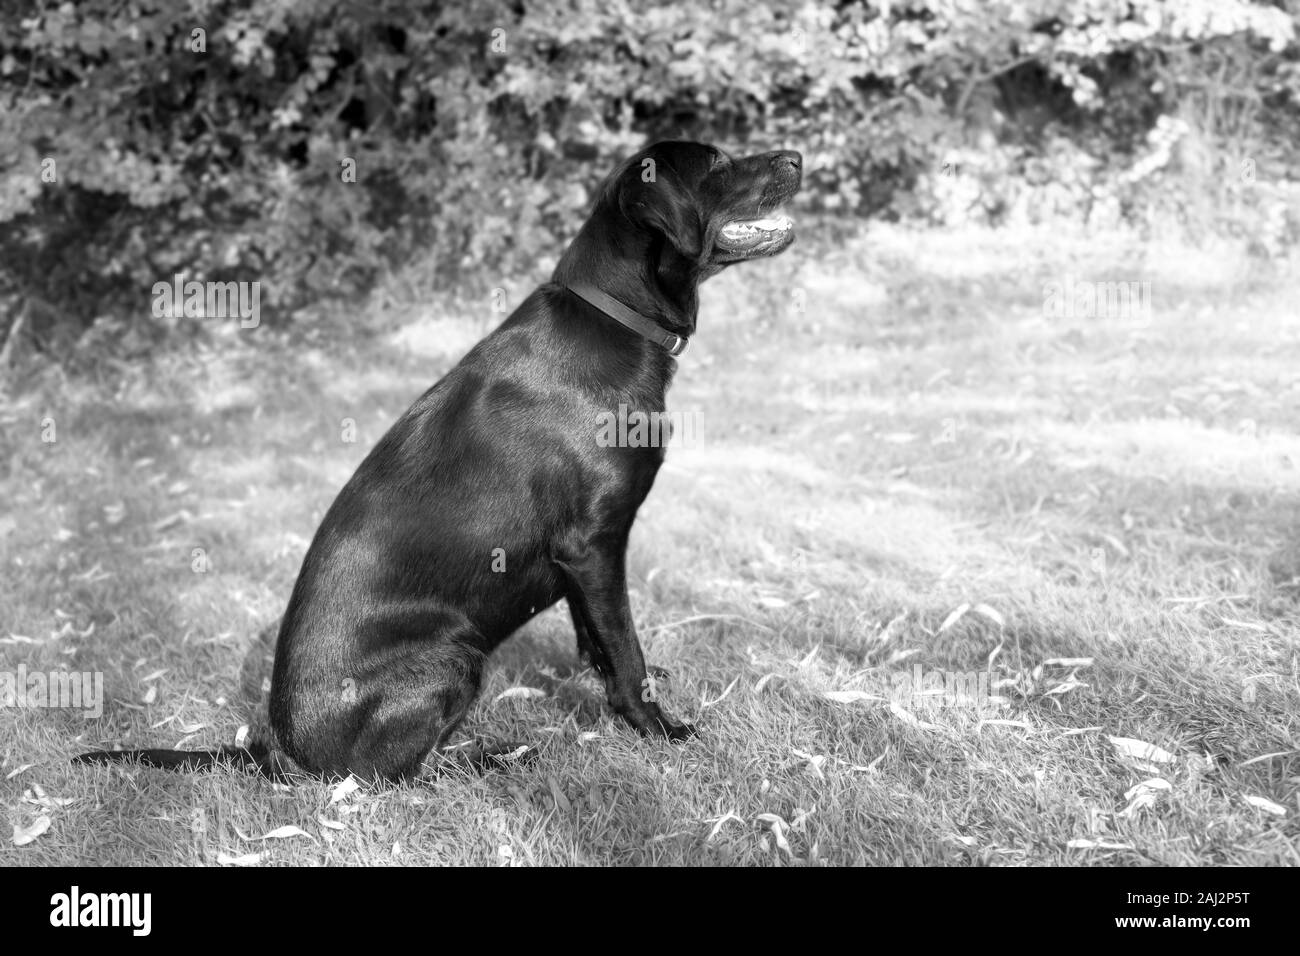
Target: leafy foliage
(215, 138)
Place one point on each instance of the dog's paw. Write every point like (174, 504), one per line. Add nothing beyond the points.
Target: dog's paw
(676, 732)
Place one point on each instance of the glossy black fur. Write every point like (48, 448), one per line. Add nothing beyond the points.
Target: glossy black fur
(398, 605)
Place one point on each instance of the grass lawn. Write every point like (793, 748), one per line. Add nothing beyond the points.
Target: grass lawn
(903, 466)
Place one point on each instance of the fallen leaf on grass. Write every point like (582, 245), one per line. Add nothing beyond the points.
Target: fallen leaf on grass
(1155, 783)
(910, 719)
(523, 693)
(38, 797)
(248, 859)
(778, 826)
(1143, 795)
(26, 835)
(67, 629)
(331, 824)
(710, 703)
(284, 832)
(888, 633)
(1065, 688)
(15, 772)
(801, 818)
(851, 696)
(1097, 845)
(763, 682)
(718, 824)
(1116, 543)
(813, 761)
(1140, 750)
(954, 617)
(1247, 763)
(345, 789)
(515, 754)
(179, 517)
(983, 610)
(1004, 723)
(869, 768)
(1266, 805)
(95, 574)
(1246, 625)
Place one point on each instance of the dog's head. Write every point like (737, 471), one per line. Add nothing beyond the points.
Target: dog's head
(675, 214)
(706, 206)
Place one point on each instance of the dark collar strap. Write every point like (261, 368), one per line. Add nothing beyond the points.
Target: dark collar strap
(670, 342)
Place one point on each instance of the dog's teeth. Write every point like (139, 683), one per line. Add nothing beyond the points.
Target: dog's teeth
(759, 225)
(751, 230)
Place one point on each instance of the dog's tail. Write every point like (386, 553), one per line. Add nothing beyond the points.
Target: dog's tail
(252, 756)
(256, 753)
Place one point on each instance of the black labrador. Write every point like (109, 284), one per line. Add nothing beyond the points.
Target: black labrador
(492, 497)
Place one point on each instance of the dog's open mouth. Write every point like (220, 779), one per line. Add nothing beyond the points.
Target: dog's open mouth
(756, 236)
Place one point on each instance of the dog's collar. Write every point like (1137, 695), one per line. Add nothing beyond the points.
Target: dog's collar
(670, 342)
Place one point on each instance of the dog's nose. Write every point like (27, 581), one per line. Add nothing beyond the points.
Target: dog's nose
(788, 157)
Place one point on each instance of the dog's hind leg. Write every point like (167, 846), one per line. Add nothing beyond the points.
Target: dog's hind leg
(421, 695)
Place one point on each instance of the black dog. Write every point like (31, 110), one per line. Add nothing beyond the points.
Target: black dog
(492, 498)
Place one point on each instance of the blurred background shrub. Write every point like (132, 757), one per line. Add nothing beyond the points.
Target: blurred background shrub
(144, 138)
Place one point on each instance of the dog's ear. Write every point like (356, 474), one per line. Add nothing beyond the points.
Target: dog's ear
(655, 199)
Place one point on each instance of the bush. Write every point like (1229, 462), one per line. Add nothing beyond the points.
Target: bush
(217, 138)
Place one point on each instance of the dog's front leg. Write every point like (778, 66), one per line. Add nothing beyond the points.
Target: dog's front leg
(597, 594)
(587, 648)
